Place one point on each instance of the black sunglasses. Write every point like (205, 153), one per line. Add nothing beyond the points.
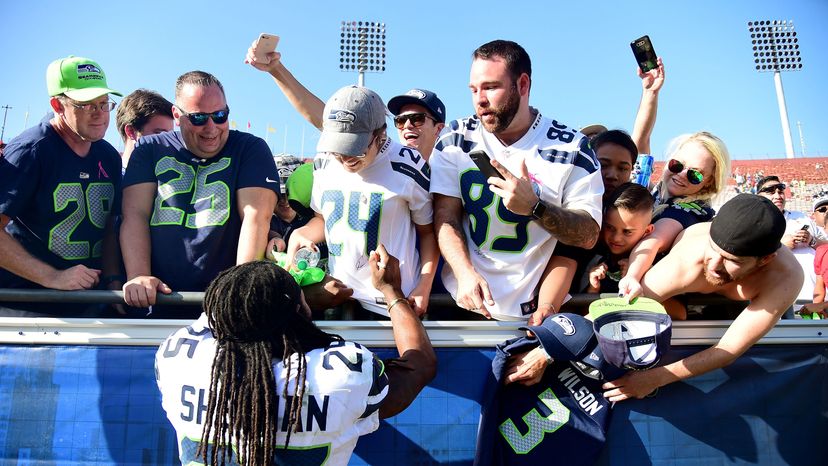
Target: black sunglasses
(200, 118)
(822, 209)
(417, 119)
(778, 188)
(693, 176)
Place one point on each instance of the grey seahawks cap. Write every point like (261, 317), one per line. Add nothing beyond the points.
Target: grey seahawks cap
(351, 115)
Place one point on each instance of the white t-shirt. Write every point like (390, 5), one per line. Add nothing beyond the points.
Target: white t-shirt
(511, 251)
(345, 385)
(804, 253)
(380, 204)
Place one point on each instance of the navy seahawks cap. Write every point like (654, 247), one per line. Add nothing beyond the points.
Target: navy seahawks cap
(631, 335)
(421, 97)
(570, 337)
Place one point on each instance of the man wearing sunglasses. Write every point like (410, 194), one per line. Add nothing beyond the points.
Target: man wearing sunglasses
(802, 234)
(59, 190)
(196, 201)
(419, 115)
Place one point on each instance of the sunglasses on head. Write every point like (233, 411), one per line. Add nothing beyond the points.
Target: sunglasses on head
(200, 118)
(693, 176)
(417, 119)
(778, 188)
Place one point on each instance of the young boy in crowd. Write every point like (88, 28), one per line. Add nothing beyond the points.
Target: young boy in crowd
(627, 219)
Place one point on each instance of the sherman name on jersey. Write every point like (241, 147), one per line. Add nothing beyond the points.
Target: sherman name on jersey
(379, 204)
(345, 386)
(511, 251)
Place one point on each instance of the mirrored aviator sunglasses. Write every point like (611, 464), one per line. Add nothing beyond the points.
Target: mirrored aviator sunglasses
(693, 176)
(200, 118)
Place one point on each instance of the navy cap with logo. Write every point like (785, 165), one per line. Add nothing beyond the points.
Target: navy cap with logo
(570, 337)
(421, 97)
(631, 335)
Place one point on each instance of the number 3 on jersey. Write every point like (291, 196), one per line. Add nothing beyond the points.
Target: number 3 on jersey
(484, 209)
(363, 214)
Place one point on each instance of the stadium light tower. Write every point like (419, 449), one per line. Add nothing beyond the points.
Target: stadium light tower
(776, 48)
(362, 48)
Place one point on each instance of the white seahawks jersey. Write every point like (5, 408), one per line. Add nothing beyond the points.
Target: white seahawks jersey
(511, 251)
(380, 204)
(345, 385)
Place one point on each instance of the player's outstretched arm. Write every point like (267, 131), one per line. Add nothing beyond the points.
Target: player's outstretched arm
(417, 364)
(304, 101)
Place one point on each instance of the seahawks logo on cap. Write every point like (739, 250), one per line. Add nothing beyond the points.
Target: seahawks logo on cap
(88, 68)
(342, 116)
(566, 324)
(416, 93)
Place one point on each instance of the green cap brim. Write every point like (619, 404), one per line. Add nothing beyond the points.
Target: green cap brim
(600, 307)
(89, 94)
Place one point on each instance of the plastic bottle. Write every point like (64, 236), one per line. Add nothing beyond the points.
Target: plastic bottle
(642, 170)
(306, 257)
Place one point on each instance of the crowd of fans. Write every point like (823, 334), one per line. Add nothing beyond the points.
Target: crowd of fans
(557, 215)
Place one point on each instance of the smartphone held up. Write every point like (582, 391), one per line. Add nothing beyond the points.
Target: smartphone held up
(644, 53)
(265, 44)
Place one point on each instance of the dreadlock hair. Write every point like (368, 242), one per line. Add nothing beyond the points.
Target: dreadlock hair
(256, 316)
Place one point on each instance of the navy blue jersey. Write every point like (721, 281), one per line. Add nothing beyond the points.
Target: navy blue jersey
(195, 222)
(58, 202)
(687, 213)
(561, 420)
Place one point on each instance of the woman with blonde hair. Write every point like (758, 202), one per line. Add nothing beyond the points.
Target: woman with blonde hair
(696, 172)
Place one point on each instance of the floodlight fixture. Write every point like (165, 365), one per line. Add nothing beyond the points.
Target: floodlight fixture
(362, 47)
(776, 49)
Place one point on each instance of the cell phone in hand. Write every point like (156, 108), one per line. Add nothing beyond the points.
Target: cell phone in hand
(266, 43)
(644, 53)
(484, 163)
(804, 228)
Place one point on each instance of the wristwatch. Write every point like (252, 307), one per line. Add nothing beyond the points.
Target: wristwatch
(539, 210)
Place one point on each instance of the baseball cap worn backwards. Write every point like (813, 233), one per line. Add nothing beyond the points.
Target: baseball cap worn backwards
(748, 226)
(420, 97)
(351, 115)
(79, 78)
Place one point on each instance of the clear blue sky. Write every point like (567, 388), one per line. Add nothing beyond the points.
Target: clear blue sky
(583, 69)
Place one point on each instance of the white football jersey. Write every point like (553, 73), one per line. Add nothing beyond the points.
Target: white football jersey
(380, 204)
(511, 251)
(345, 385)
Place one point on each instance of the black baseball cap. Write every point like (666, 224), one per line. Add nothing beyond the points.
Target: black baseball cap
(570, 337)
(422, 97)
(748, 226)
(631, 335)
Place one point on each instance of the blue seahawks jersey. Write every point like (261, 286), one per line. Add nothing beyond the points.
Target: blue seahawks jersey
(58, 202)
(195, 223)
(561, 420)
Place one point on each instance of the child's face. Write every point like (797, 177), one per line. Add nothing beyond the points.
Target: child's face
(623, 229)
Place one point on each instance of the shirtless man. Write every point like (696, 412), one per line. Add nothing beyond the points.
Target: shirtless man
(737, 255)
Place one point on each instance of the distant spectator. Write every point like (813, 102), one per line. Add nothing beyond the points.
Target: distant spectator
(802, 234)
(697, 170)
(285, 219)
(60, 188)
(2, 148)
(196, 201)
(141, 113)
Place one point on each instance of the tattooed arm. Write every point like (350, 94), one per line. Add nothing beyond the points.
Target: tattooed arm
(572, 227)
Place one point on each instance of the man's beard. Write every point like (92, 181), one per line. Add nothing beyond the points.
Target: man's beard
(716, 281)
(503, 116)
